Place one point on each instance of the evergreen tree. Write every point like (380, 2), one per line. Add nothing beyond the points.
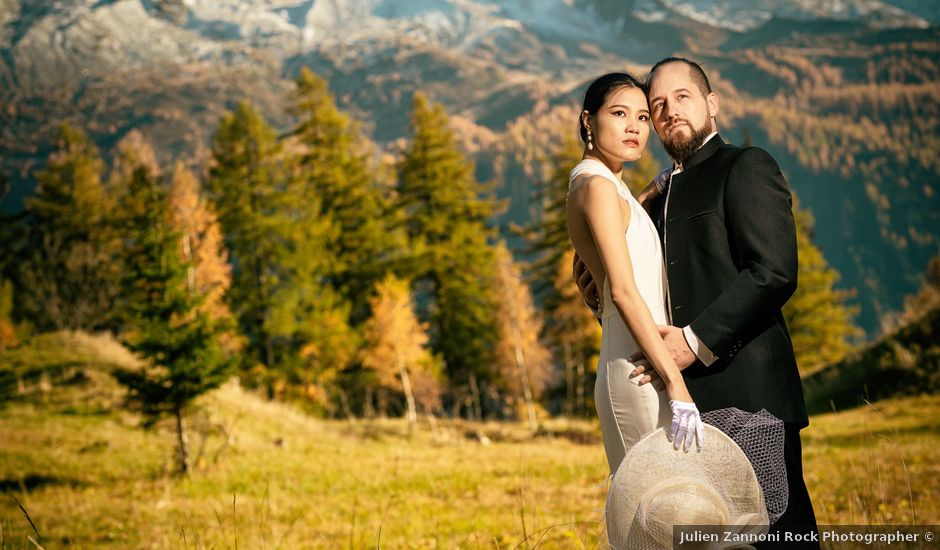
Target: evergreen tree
(178, 342)
(522, 361)
(66, 278)
(574, 336)
(133, 160)
(819, 320)
(547, 236)
(395, 348)
(452, 263)
(335, 163)
(279, 242)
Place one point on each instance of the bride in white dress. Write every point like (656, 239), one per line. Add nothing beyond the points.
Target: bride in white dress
(618, 242)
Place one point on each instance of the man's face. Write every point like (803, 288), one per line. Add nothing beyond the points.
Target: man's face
(682, 115)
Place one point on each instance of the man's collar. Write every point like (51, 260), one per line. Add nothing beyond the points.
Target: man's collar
(709, 146)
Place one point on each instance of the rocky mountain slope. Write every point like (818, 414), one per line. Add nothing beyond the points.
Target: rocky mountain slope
(843, 93)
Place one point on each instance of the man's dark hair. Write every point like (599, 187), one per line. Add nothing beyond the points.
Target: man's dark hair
(599, 90)
(698, 75)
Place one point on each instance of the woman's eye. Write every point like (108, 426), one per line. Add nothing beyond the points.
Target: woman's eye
(620, 113)
(644, 118)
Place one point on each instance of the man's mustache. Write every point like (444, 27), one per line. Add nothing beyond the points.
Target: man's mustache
(677, 122)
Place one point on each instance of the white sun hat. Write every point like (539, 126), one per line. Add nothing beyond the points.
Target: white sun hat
(657, 487)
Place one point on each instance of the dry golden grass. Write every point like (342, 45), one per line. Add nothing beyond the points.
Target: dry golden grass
(269, 476)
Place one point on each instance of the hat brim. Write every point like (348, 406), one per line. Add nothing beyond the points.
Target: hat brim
(720, 463)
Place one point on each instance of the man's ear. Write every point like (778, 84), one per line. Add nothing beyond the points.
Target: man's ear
(713, 104)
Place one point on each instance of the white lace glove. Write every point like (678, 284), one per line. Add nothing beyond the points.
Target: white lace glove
(686, 426)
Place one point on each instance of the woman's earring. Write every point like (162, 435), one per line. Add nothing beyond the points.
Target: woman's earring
(590, 143)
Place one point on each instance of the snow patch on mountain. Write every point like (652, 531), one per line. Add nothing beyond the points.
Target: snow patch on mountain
(747, 15)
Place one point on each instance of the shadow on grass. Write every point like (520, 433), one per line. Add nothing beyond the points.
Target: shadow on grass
(34, 481)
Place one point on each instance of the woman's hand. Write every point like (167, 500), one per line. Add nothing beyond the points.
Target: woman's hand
(686, 426)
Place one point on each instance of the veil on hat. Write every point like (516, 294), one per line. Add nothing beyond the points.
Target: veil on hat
(760, 435)
(738, 480)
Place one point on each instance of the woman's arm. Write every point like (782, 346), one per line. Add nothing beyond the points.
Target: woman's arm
(601, 210)
(600, 206)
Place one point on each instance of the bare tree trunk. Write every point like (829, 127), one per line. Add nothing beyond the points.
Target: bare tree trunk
(183, 453)
(580, 387)
(569, 379)
(524, 379)
(368, 408)
(475, 398)
(347, 410)
(412, 413)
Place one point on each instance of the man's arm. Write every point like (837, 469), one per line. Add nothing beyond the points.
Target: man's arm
(762, 236)
(586, 285)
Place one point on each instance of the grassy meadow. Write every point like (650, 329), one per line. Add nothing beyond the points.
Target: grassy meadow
(76, 469)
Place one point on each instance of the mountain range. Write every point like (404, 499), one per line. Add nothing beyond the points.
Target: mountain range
(844, 93)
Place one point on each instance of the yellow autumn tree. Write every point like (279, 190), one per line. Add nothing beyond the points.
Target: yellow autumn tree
(395, 347)
(574, 335)
(7, 330)
(209, 273)
(523, 363)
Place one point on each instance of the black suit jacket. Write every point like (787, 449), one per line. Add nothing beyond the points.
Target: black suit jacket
(729, 243)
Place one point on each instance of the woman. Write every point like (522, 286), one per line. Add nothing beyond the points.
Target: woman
(618, 242)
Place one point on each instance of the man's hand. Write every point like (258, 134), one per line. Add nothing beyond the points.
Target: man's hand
(585, 282)
(644, 374)
(654, 188)
(676, 345)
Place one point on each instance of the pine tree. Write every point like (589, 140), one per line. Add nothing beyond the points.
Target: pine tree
(66, 278)
(279, 242)
(395, 348)
(178, 342)
(574, 336)
(335, 163)
(547, 237)
(133, 160)
(522, 361)
(452, 263)
(819, 320)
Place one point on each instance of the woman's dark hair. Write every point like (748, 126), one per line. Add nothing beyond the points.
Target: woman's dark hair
(598, 92)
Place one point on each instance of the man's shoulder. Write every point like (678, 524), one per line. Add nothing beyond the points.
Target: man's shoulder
(750, 153)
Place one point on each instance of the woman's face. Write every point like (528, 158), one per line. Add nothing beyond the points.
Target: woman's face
(621, 126)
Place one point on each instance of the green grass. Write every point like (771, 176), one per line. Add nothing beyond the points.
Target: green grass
(269, 476)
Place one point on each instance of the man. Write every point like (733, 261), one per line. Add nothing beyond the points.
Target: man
(729, 241)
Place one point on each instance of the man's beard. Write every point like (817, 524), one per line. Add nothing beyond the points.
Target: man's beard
(680, 148)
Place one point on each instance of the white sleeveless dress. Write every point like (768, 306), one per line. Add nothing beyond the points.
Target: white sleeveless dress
(628, 411)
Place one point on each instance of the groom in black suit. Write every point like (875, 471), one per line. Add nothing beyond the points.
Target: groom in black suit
(729, 242)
